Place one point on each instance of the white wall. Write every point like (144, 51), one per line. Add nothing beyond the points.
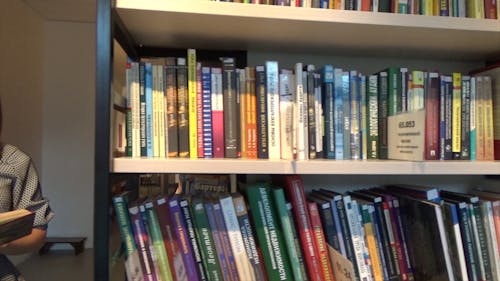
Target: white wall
(68, 126)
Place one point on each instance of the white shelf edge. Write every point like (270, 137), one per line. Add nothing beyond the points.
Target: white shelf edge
(311, 167)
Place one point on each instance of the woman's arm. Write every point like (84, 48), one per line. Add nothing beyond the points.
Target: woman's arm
(26, 244)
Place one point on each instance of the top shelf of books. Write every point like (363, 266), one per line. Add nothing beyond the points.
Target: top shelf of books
(223, 25)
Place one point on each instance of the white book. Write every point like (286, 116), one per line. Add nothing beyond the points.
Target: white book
(318, 109)
(243, 266)
(273, 109)
(301, 142)
(286, 113)
(135, 107)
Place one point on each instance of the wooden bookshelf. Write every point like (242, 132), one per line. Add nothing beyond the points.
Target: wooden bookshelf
(223, 25)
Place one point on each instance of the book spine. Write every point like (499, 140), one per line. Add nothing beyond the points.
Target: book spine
(367, 211)
(354, 224)
(251, 106)
(346, 107)
(355, 116)
(372, 115)
(456, 116)
(472, 118)
(243, 100)
(262, 130)
(142, 112)
(273, 109)
(128, 117)
(405, 79)
(480, 128)
(199, 112)
(182, 108)
(286, 114)
(247, 233)
(468, 241)
(465, 115)
(311, 112)
(295, 191)
(322, 248)
(296, 240)
(206, 241)
(328, 107)
(300, 142)
(230, 108)
(431, 147)
(148, 80)
(235, 239)
(224, 238)
(339, 114)
(180, 231)
(141, 240)
(192, 103)
(221, 256)
(382, 114)
(320, 116)
(158, 243)
(161, 112)
(171, 110)
(394, 88)
(489, 227)
(136, 108)
(286, 226)
(207, 112)
(481, 240)
(187, 216)
(488, 119)
(125, 226)
(217, 113)
(362, 118)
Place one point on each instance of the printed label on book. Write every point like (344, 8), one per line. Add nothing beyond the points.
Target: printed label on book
(406, 136)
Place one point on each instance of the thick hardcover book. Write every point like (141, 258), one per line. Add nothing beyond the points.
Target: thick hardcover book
(269, 233)
(219, 247)
(288, 228)
(251, 112)
(18, 223)
(245, 270)
(286, 107)
(181, 233)
(456, 125)
(157, 239)
(273, 109)
(142, 242)
(294, 190)
(206, 77)
(247, 233)
(170, 240)
(321, 245)
(466, 116)
(431, 147)
(230, 108)
(190, 231)
(182, 107)
(192, 103)
(205, 240)
(382, 114)
(171, 112)
(262, 130)
(217, 113)
(372, 116)
(328, 99)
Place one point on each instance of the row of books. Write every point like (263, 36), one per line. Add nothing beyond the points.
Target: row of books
(278, 232)
(216, 110)
(448, 8)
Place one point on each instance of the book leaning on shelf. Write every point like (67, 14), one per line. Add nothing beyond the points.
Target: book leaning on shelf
(15, 224)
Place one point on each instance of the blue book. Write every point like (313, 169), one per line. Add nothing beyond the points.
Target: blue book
(327, 81)
(346, 107)
(207, 112)
(149, 108)
(338, 115)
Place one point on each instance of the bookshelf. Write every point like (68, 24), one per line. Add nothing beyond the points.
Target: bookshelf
(217, 25)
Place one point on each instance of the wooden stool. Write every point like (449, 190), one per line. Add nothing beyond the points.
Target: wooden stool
(76, 242)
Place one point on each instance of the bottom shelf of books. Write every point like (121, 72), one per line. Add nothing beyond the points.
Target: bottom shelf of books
(215, 227)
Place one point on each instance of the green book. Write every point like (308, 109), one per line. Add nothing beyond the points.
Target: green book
(286, 226)
(269, 234)
(157, 238)
(394, 91)
(205, 240)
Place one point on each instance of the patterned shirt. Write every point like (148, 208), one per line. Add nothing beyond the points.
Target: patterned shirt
(20, 189)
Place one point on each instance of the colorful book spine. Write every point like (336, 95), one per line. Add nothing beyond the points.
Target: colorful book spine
(199, 112)
(192, 103)
(262, 130)
(346, 107)
(286, 225)
(207, 112)
(431, 146)
(273, 109)
(245, 271)
(171, 110)
(339, 114)
(367, 213)
(472, 117)
(128, 117)
(217, 113)
(466, 116)
(243, 101)
(251, 113)
(224, 238)
(456, 116)
(181, 234)
(182, 107)
(141, 240)
(148, 80)
(269, 234)
(363, 141)
(230, 108)
(355, 116)
(125, 226)
(372, 116)
(205, 240)
(221, 256)
(382, 114)
(321, 245)
(142, 110)
(394, 91)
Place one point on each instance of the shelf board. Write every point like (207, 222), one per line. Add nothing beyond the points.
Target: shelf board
(223, 25)
(327, 167)
(200, 166)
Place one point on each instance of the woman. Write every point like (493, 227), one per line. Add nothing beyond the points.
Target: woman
(20, 189)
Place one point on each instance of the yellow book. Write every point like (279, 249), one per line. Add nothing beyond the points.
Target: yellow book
(488, 119)
(479, 119)
(192, 106)
(371, 244)
(456, 113)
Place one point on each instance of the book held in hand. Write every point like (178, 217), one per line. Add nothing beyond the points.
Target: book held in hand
(15, 224)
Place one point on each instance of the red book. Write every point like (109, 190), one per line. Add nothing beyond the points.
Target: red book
(217, 113)
(321, 246)
(431, 147)
(294, 190)
(490, 9)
